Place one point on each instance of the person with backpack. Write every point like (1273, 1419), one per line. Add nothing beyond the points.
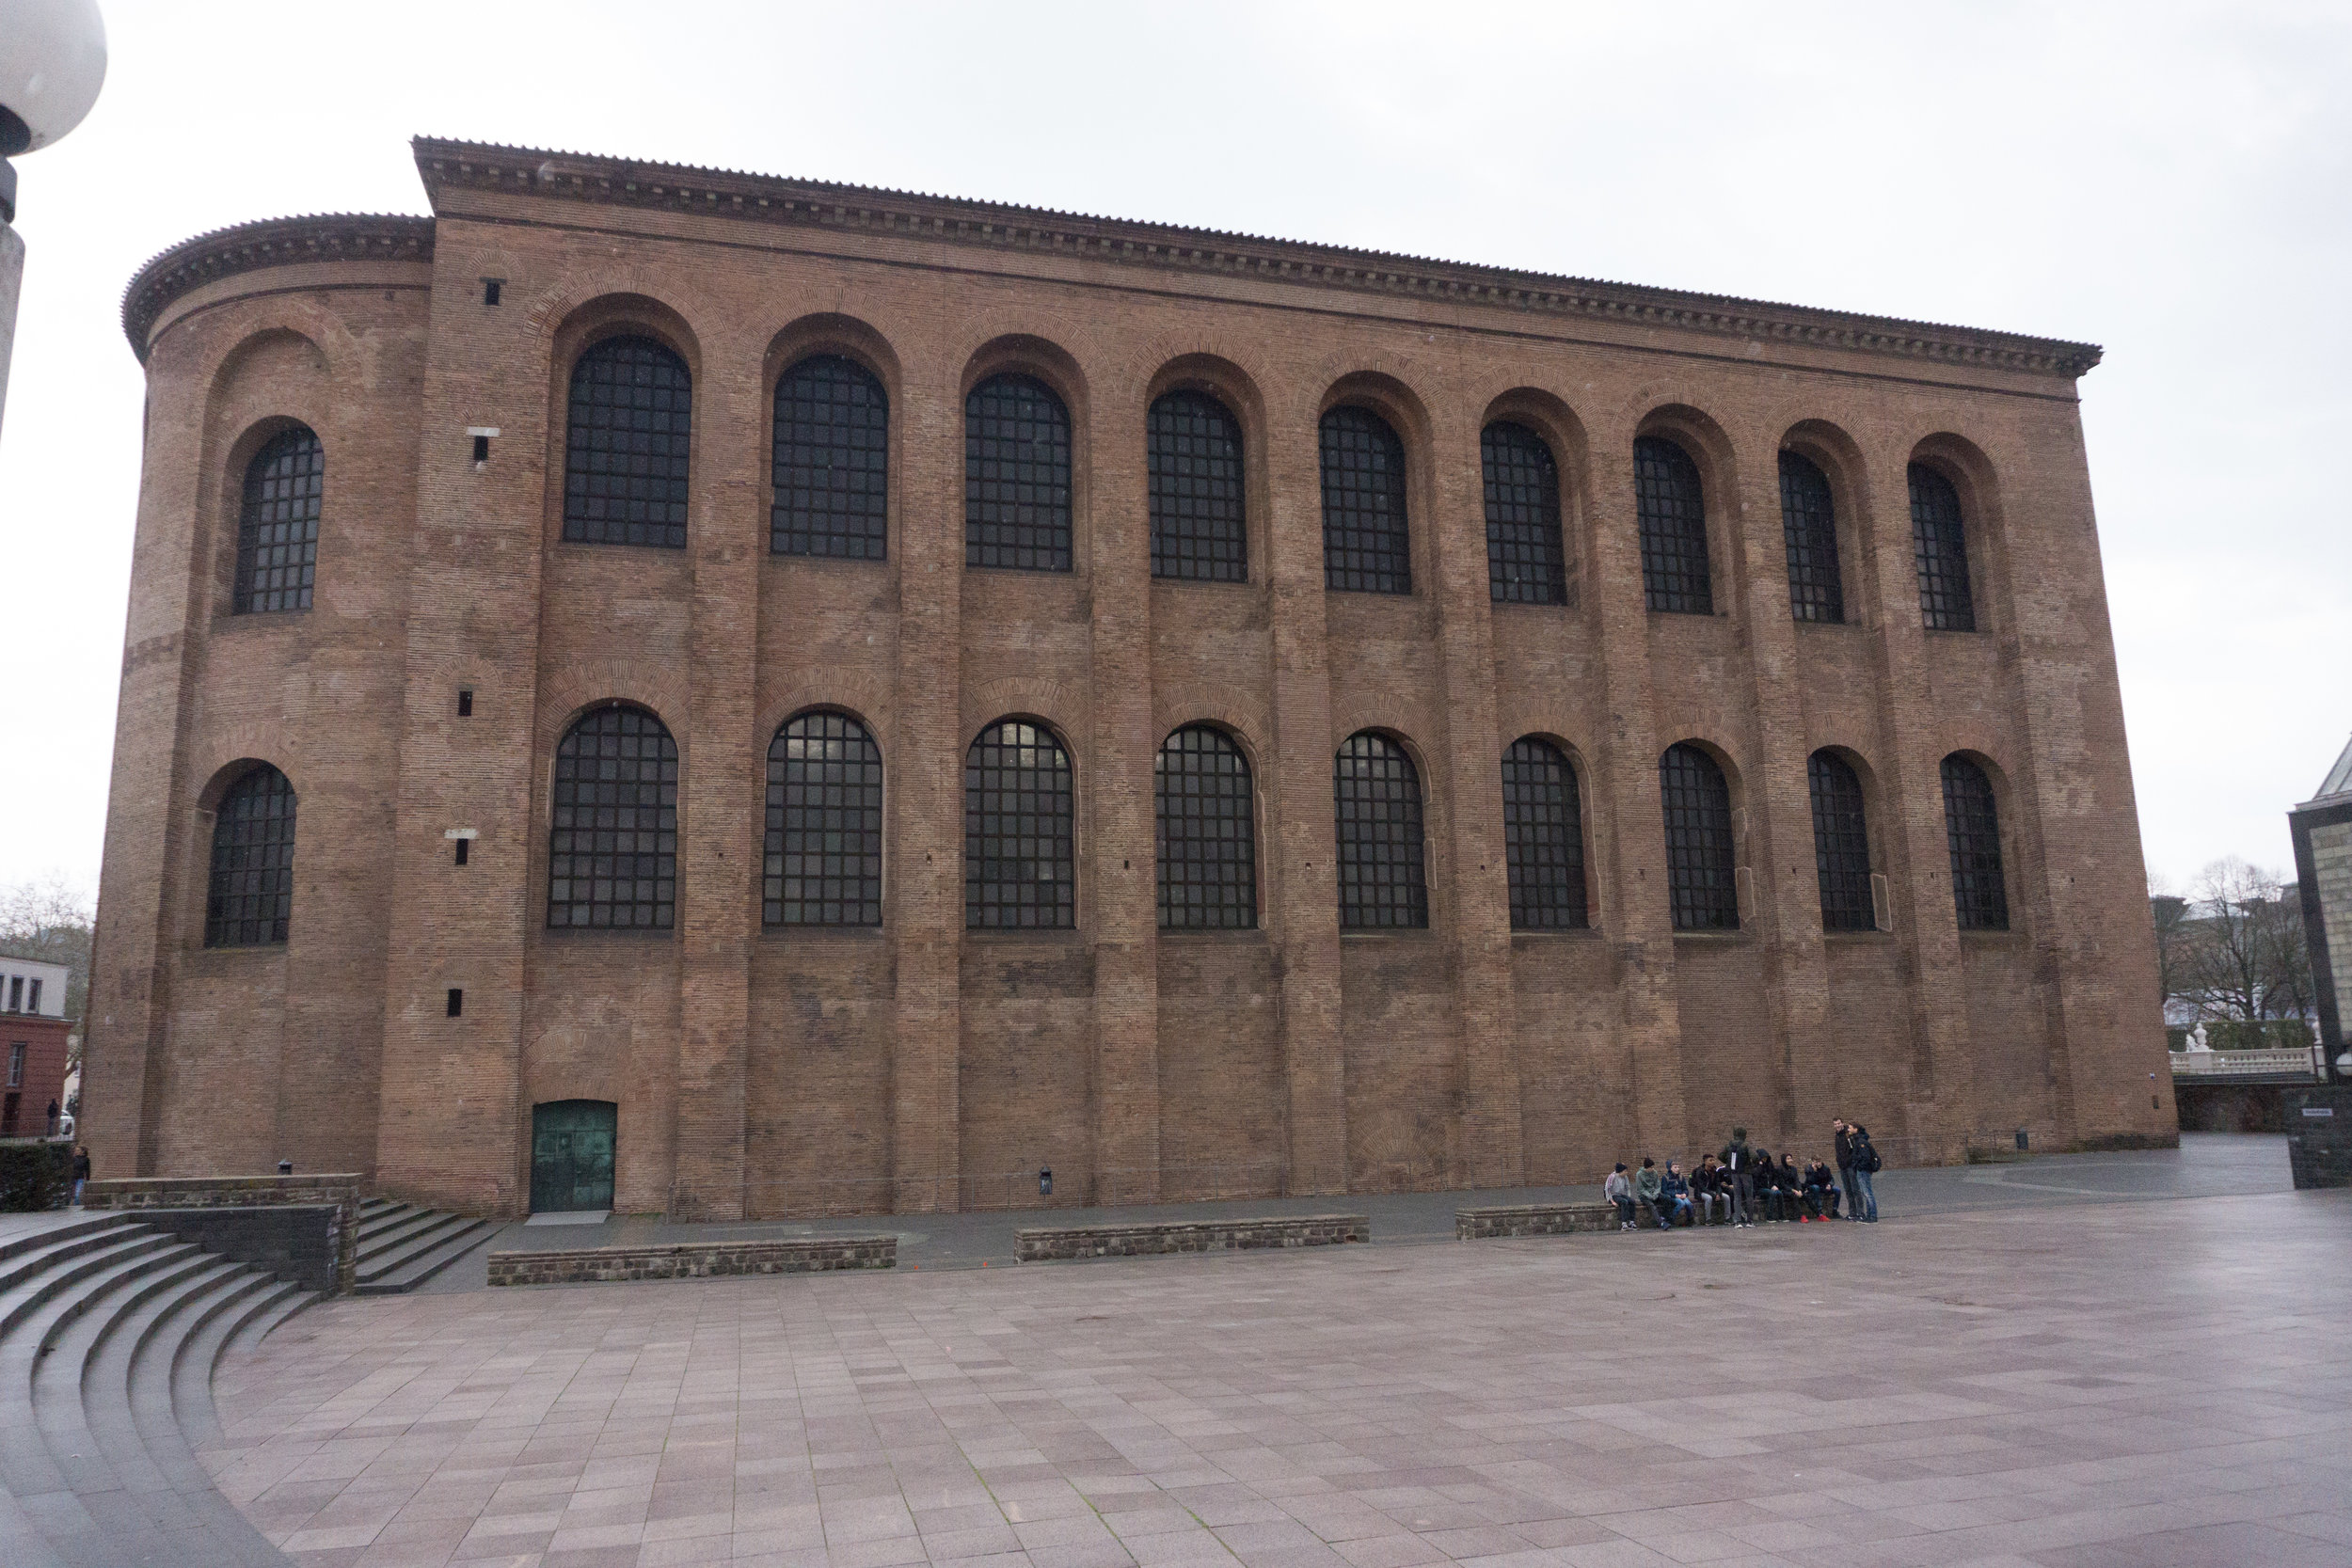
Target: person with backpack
(1845, 1167)
(1741, 1165)
(1619, 1191)
(1647, 1185)
(1865, 1203)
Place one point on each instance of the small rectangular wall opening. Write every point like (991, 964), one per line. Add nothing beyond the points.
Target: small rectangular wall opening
(480, 450)
(465, 701)
(464, 846)
(456, 993)
(491, 288)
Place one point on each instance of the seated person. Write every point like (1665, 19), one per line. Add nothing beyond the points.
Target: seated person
(1646, 1185)
(1767, 1187)
(1790, 1179)
(1821, 1192)
(1674, 1192)
(1707, 1188)
(1619, 1191)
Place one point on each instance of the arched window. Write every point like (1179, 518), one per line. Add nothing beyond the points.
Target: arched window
(1972, 826)
(278, 523)
(1702, 882)
(1016, 476)
(1377, 793)
(1939, 539)
(1672, 511)
(1542, 837)
(1841, 844)
(1525, 563)
(613, 845)
(1194, 453)
(1020, 852)
(624, 457)
(822, 865)
(249, 898)
(1207, 843)
(1366, 547)
(1809, 518)
(832, 461)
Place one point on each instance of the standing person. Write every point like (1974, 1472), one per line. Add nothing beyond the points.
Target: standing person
(1865, 1204)
(1845, 1168)
(81, 1171)
(1740, 1164)
(1619, 1191)
(1647, 1185)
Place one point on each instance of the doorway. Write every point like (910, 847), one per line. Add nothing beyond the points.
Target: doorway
(571, 1155)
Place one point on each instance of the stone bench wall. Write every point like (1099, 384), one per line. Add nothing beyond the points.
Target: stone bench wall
(1061, 1242)
(1533, 1219)
(327, 1258)
(693, 1261)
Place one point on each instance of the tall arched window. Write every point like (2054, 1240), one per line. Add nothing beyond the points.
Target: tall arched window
(1841, 844)
(612, 841)
(1672, 511)
(1525, 563)
(1808, 518)
(1377, 793)
(1016, 476)
(1366, 545)
(1542, 837)
(624, 457)
(1020, 849)
(278, 523)
(249, 898)
(1206, 840)
(1972, 826)
(832, 461)
(1939, 539)
(823, 863)
(1702, 879)
(1194, 453)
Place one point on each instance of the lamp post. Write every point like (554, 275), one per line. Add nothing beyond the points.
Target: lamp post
(53, 57)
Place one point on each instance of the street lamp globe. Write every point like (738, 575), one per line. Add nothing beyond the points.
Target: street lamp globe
(53, 60)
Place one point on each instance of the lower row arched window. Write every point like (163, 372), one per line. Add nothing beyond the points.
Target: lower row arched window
(822, 862)
(1376, 795)
(1542, 837)
(248, 896)
(1020, 841)
(1841, 844)
(1702, 874)
(1972, 828)
(1204, 833)
(612, 841)
(278, 525)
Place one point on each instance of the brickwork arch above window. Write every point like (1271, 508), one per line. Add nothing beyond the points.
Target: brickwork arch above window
(823, 860)
(1020, 832)
(628, 445)
(831, 461)
(248, 894)
(278, 523)
(612, 834)
(1670, 506)
(1376, 799)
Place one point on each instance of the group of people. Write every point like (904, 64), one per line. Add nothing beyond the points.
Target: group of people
(1743, 1183)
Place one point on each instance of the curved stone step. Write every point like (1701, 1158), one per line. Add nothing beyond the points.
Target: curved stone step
(58, 1375)
(193, 1363)
(30, 1293)
(64, 1229)
(406, 1267)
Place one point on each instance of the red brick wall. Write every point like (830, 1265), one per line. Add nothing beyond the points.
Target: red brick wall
(44, 1042)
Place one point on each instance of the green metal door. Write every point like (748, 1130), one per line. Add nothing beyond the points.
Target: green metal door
(571, 1155)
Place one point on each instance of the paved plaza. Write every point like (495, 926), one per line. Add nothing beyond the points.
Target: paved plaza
(2082, 1361)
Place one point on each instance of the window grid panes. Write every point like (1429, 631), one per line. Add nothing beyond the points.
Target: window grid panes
(249, 898)
(626, 452)
(832, 461)
(1366, 545)
(1972, 827)
(1841, 844)
(1525, 562)
(278, 523)
(1016, 476)
(1702, 882)
(823, 863)
(612, 849)
(1020, 854)
(1198, 531)
(1672, 509)
(1206, 840)
(1376, 794)
(1939, 540)
(1543, 838)
(1817, 589)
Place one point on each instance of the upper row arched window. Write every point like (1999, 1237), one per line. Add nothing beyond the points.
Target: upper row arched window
(1016, 476)
(627, 446)
(1808, 514)
(1670, 509)
(1193, 453)
(248, 896)
(1940, 541)
(831, 466)
(278, 523)
(1525, 561)
(1366, 545)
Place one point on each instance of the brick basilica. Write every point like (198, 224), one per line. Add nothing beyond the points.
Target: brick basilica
(685, 691)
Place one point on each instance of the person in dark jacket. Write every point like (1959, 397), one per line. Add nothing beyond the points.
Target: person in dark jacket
(1648, 1184)
(81, 1171)
(1791, 1181)
(1845, 1167)
(1862, 1197)
(1764, 1202)
(1739, 1163)
(1674, 1194)
(1707, 1190)
(1820, 1192)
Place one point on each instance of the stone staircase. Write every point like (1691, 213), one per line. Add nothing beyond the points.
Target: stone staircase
(401, 1246)
(109, 1332)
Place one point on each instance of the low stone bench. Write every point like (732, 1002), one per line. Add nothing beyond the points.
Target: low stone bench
(1160, 1236)
(1533, 1219)
(693, 1261)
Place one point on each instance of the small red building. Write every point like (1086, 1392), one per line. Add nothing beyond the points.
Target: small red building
(33, 1034)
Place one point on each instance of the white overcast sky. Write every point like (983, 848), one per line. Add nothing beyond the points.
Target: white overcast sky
(2168, 180)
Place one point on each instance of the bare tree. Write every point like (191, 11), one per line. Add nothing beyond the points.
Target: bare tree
(2174, 932)
(50, 922)
(2238, 951)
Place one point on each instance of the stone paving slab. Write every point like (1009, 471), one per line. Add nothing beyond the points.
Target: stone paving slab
(2067, 1385)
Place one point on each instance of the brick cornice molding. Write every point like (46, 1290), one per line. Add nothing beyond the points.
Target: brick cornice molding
(454, 165)
(272, 242)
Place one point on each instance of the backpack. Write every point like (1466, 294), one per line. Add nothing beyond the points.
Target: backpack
(1868, 1157)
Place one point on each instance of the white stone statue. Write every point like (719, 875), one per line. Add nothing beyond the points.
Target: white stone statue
(2197, 1037)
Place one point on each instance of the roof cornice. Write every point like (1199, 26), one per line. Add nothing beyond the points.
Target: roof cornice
(272, 242)
(454, 165)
